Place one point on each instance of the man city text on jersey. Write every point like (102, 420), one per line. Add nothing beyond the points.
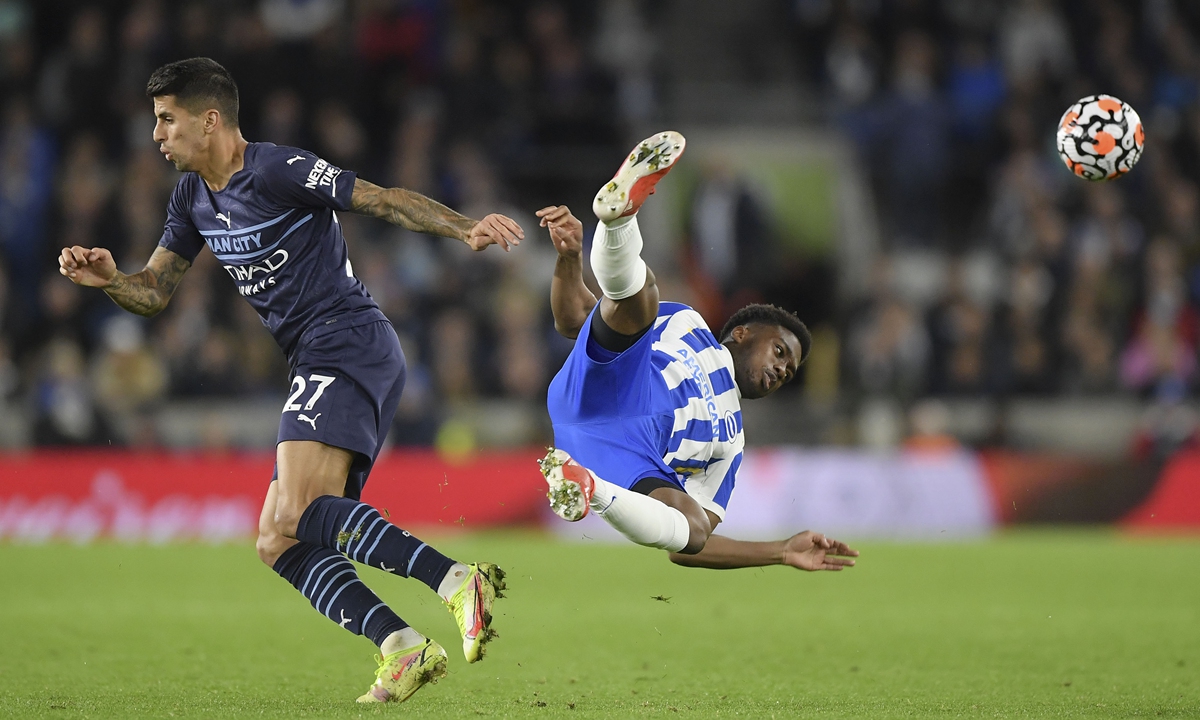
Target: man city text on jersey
(274, 230)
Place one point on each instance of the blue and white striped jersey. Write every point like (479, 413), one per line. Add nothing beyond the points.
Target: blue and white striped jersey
(667, 407)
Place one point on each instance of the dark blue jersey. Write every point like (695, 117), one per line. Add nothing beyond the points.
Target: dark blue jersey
(273, 229)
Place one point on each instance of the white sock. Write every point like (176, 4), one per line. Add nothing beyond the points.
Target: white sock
(617, 258)
(640, 518)
(452, 581)
(401, 640)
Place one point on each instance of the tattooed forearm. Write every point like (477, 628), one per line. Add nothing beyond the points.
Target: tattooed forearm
(148, 292)
(135, 293)
(409, 210)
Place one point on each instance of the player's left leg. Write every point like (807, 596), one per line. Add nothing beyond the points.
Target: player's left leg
(408, 659)
(312, 508)
(670, 520)
(327, 579)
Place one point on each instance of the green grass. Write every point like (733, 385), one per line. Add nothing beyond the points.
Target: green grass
(1031, 624)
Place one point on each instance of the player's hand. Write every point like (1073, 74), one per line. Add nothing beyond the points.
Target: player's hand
(813, 551)
(566, 232)
(91, 267)
(495, 229)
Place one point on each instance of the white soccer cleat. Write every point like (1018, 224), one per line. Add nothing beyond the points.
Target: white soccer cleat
(635, 180)
(571, 485)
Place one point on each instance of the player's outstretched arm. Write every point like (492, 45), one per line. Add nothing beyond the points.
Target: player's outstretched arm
(807, 551)
(570, 299)
(413, 211)
(144, 293)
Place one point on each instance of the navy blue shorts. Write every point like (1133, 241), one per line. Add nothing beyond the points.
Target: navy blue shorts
(345, 387)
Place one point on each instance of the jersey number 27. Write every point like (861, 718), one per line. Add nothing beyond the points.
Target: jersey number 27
(299, 386)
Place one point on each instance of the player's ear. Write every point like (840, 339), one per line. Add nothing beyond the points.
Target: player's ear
(211, 119)
(739, 333)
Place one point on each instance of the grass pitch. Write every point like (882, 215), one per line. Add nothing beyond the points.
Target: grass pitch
(1030, 624)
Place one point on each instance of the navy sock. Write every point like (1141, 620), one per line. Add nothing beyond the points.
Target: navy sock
(358, 530)
(331, 584)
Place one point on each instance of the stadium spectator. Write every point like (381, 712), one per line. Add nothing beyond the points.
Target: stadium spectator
(626, 47)
(960, 333)
(1035, 42)
(890, 349)
(27, 163)
(1161, 355)
(128, 376)
(65, 412)
(729, 238)
(74, 86)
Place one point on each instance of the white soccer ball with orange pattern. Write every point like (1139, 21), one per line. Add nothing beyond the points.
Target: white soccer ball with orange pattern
(1100, 138)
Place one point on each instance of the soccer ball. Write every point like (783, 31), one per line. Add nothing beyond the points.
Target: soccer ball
(1100, 138)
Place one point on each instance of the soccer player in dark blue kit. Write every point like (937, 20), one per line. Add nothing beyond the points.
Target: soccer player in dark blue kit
(268, 214)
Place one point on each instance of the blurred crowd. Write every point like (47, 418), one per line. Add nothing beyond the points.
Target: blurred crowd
(479, 104)
(1003, 274)
(1000, 274)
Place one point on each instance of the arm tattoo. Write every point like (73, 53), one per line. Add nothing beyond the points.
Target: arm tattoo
(148, 292)
(409, 210)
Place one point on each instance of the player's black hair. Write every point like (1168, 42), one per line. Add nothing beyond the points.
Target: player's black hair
(198, 84)
(770, 315)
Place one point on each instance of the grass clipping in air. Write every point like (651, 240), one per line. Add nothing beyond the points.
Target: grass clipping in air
(1079, 625)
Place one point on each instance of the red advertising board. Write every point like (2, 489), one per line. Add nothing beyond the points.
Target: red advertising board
(159, 496)
(81, 495)
(1174, 504)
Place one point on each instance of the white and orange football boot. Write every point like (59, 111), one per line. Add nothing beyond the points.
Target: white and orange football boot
(571, 485)
(635, 180)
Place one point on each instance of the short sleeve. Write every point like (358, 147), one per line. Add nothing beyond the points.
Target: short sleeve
(298, 178)
(180, 236)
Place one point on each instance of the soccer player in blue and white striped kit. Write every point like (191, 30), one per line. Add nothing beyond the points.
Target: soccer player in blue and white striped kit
(647, 408)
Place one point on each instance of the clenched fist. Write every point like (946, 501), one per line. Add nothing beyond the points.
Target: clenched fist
(90, 267)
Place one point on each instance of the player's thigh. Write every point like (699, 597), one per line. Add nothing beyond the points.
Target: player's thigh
(636, 312)
(306, 471)
(271, 543)
(345, 387)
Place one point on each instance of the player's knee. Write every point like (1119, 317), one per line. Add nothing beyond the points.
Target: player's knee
(698, 531)
(287, 517)
(270, 546)
(696, 542)
(699, 526)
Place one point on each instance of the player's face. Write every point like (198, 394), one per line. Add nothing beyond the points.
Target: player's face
(765, 358)
(179, 133)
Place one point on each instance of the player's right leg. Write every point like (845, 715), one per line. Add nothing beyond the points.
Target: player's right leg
(630, 302)
(671, 520)
(407, 660)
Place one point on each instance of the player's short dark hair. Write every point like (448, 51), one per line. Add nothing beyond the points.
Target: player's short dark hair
(770, 315)
(198, 84)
